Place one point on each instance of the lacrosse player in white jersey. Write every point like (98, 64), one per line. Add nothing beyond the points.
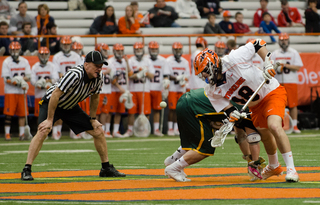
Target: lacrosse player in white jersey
(64, 60)
(220, 48)
(105, 94)
(16, 73)
(194, 81)
(235, 78)
(43, 75)
(139, 83)
(179, 76)
(119, 64)
(287, 74)
(158, 84)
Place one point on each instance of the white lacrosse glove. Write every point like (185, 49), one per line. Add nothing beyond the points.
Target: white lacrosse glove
(126, 98)
(237, 117)
(24, 85)
(48, 85)
(111, 74)
(182, 80)
(165, 93)
(17, 80)
(41, 83)
(280, 68)
(166, 83)
(268, 71)
(142, 73)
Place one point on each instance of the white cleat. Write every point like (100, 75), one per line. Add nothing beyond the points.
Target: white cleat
(56, 136)
(117, 135)
(158, 133)
(296, 130)
(177, 133)
(107, 135)
(171, 132)
(292, 176)
(177, 175)
(129, 133)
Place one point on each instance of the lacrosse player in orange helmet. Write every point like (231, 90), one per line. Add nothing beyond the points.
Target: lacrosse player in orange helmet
(220, 48)
(179, 72)
(287, 74)
(235, 78)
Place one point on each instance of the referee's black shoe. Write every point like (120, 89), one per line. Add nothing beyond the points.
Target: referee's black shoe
(111, 172)
(26, 174)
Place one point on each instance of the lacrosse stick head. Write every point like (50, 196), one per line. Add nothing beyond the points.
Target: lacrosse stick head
(141, 126)
(27, 133)
(220, 135)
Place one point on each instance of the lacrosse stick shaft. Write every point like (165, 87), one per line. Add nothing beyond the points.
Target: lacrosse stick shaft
(127, 79)
(161, 124)
(25, 106)
(144, 87)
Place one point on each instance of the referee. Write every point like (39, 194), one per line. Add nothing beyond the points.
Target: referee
(61, 102)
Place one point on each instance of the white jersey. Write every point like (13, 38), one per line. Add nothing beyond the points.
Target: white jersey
(106, 86)
(292, 57)
(242, 78)
(11, 69)
(49, 71)
(160, 68)
(195, 82)
(257, 61)
(64, 62)
(135, 84)
(116, 66)
(175, 68)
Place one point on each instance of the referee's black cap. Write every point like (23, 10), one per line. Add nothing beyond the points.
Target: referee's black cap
(95, 57)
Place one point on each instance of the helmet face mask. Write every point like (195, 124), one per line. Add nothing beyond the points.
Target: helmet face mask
(139, 52)
(284, 44)
(220, 51)
(103, 49)
(14, 50)
(43, 55)
(104, 53)
(118, 51)
(153, 50)
(177, 52)
(65, 48)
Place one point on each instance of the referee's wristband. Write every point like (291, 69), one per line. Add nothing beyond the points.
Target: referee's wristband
(93, 118)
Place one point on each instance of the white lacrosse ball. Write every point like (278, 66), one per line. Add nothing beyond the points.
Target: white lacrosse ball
(163, 104)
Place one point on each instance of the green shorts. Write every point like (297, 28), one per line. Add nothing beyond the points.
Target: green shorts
(195, 131)
(75, 118)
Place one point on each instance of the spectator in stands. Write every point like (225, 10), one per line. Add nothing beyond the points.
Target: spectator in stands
(312, 17)
(239, 26)
(4, 42)
(268, 26)
(6, 11)
(207, 7)
(128, 24)
(211, 26)
(29, 46)
(43, 18)
(226, 24)
(187, 9)
(289, 16)
(105, 24)
(16, 21)
(94, 4)
(231, 45)
(257, 18)
(143, 19)
(162, 15)
(53, 42)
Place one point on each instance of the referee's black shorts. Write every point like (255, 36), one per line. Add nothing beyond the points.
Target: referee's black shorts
(75, 118)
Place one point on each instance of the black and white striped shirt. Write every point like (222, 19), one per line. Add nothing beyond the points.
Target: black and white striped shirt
(76, 87)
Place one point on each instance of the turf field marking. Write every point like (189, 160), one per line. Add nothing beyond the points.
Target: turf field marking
(312, 202)
(54, 202)
(131, 149)
(53, 151)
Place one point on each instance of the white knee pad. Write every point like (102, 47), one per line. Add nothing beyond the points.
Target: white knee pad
(253, 138)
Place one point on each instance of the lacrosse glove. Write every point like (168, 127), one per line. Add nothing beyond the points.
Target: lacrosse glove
(268, 71)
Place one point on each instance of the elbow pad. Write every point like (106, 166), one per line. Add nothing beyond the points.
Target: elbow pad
(258, 43)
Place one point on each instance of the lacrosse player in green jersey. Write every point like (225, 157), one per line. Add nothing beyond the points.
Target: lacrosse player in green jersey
(197, 121)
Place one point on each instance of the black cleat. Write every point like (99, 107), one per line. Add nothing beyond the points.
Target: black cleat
(111, 172)
(26, 175)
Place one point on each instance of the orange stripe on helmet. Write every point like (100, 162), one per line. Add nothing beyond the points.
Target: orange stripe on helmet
(77, 46)
(43, 50)
(220, 44)
(202, 41)
(101, 46)
(283, 36)
(177, 45)
(15, 45)
(66, 40)
(137, 45)
(118, 47)
(153, 44)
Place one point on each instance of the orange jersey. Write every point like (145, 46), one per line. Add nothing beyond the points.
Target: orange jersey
(123, 27)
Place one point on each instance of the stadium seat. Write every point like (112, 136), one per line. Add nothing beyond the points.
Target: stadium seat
(33, 5)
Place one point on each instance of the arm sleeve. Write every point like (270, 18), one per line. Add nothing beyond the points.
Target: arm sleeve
(298, 18)
(174, 14)
(5, 70)
(275, 27)
(207, 29)
(95, 26)
(220, 30)
(123, 29)
(69, 80)
(99, 87)
(273, 20)
(33, 76)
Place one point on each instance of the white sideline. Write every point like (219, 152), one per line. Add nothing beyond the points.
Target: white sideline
(130, 140)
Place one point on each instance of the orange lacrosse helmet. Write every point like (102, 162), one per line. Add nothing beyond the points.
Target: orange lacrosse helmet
(283, 36)
(177, 50)
(201, 41)
(118, 51)
(220, 44)
(207, 61)
(65, 44)
(284, 41)
(220, 48)
(138, 49)
(153, 47)
(43, 55)
(103, 49)
(14, 50)
(77, 46)
(137, 45)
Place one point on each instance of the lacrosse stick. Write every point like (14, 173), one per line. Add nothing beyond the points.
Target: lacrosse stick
(141, 126)
(162, 116)
(27, 133)
(128, 104)
(220, 135)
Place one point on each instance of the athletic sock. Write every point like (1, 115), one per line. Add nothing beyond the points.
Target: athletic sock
(21, 130)
(273, 160)
(170, 123)
(294, 122)
(180, 164)
(59, 127)
(156, 126)
(54, 130)
(288, 159)
(104, 128)
(175, 126)
(105, 165)
(115, 128)
(7, 129)
(107, 127)
(130, 127)
(178, 153)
